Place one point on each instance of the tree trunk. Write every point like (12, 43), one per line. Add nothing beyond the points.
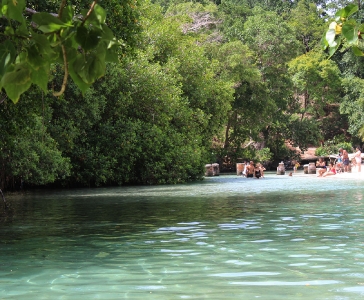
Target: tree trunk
(228, 126)
(5, 203)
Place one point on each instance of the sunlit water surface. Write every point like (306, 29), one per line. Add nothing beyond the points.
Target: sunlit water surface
(228, 237)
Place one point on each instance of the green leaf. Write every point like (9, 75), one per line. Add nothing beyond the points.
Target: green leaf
(67, 33)
(22, 57)
(347, 11)
(71, 54)
(53, 40)
(78, 63)
(22, 30)
(67, 14)
(17, 82)
(43, 44)
(108, 37)
(40, 52)
(34, 57)
(48, 23)
(349, 31)
(83, 86)
(107, 33)
(88, 39)
(7, 56)
(357, 51)
(97, 67)
(100, 14)
(93, 69)
(111, 55)
(97, 16)
(40, 77)
(333, 49)
(324, 43)
(9, 30)
(351, 9)
(14, 9)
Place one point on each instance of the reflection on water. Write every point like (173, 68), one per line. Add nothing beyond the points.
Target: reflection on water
(225, 238)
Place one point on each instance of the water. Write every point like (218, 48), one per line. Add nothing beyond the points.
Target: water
(229, 237)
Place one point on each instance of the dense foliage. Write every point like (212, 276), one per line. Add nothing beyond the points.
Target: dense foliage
(160, 88)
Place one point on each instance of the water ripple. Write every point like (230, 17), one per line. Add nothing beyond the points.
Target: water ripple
(287, 283)
(245, 274)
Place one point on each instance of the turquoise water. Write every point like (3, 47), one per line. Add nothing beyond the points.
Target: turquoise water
(229, 237)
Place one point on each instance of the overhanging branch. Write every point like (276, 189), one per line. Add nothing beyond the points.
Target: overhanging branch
(32, 12)
(65, 76)
(89, 12)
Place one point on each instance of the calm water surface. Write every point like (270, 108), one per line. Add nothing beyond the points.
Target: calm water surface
(228, 237)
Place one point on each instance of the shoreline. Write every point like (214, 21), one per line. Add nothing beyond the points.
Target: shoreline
(354, 174)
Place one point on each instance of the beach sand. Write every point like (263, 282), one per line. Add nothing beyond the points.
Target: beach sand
(354, 174)
(344, 175)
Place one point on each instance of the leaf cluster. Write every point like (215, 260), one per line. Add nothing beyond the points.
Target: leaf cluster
(82, 43)
(344, 30)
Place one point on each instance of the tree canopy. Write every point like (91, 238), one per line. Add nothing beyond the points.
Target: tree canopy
(33, 41)
(147, 92)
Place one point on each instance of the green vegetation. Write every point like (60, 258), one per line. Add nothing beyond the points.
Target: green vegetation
(332, 148)
(147, 92)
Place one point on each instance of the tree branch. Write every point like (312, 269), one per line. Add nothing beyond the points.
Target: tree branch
(3, 99)
(63, 4)
(5, 203)
(200, 21)
(32, 12)
(65, 76)
(89, 12)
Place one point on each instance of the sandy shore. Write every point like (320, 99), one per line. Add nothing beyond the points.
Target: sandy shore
(354, 174)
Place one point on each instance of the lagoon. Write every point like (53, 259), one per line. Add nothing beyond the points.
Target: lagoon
(228, 237)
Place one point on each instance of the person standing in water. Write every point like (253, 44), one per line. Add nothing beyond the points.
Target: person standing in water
(346, 160)
(296, 166)
(358, 158)
(259, 171)
(251, 170)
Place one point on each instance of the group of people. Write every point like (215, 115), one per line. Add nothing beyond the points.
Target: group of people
(324, 170)
(252, 170)
(342, 163)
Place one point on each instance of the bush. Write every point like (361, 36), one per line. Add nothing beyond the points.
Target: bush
(330, 148)
(263, 155)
